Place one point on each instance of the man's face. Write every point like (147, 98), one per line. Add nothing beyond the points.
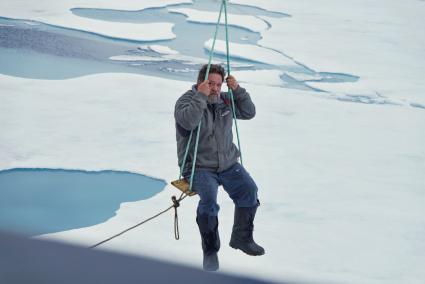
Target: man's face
(215, 81)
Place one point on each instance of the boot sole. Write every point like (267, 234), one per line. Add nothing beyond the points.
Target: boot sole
(212, 267)
(251, 254)
(211, 270)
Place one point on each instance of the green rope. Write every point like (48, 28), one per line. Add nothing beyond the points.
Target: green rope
(194, 157)
(223, 4)
(228, 72)
(185, 154)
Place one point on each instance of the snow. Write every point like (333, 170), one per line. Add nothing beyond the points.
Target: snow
(341, 183)
(322, 159)
(249, 22)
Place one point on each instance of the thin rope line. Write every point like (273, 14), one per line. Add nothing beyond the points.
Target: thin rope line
(182, 196)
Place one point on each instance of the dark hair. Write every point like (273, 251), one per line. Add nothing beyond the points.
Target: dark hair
(215, 68)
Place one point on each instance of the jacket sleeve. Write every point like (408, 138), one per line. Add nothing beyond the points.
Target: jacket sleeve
(189, 109)
(245, 108)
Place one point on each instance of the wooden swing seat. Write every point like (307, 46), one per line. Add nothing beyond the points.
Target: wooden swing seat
(183, 185)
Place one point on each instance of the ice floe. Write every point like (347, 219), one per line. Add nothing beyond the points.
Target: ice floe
(244, 21)
(374, 42)
(136, 58)
(259, 77)
(58, 13)
(303, 76)
(162, 49)
(250, 52)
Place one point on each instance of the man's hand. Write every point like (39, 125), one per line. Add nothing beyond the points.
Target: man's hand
(231, 82)
(204, 88)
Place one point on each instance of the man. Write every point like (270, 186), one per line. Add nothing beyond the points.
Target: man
(217, 160)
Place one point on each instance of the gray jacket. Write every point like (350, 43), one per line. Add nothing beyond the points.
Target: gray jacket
(216, 151)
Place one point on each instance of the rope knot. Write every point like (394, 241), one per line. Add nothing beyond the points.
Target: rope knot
(176, 203)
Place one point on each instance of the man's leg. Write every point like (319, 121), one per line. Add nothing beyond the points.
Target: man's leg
(205, 183)
(243, 191)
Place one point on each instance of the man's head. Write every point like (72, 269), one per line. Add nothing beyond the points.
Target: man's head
(215, 78)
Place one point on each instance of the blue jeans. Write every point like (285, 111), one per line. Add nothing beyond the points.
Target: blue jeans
(236, 181)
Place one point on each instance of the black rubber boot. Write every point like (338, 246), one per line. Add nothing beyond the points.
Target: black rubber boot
(243, 228)
(208, 227)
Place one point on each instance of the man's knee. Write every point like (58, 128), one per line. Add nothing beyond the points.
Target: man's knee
(206, 185)
(241, 187)
(208, 208)
(208, 201)
(246, 196)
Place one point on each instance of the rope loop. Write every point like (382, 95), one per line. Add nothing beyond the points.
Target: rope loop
(176, 203)
(176, 225)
